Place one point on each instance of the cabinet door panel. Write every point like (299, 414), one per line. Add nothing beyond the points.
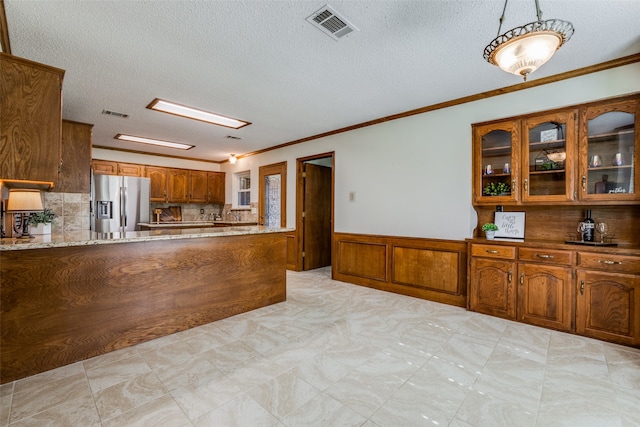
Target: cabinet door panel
(158, 184)
(75, 171)
(104, 167)
(127, 169)
(548, 152)
(491, 288)
(544, 296)
(198, 187)
(215, 187)
(608, 306)
(178, 188)
(608, 143)
(496, 157)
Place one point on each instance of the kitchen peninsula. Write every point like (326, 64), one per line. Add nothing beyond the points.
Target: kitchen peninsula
(71, 297)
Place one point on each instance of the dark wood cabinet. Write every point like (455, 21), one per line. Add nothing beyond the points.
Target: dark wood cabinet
(104, 167)
(198, 190)
(491, 287)
(574, 155)
(178, 186)
(75, 170)
(216, 187)
(158, 185)
(129, 169)
(31, 125)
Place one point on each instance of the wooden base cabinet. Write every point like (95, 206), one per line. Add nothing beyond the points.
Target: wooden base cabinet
(544, 296)
(608, 306)
(492, 288)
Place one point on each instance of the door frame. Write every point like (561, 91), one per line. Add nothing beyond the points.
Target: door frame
(299, 235)
(273, 169)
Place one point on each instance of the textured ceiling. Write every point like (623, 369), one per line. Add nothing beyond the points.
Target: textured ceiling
(262, 62)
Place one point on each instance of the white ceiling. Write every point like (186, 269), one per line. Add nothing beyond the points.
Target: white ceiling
(262, 62)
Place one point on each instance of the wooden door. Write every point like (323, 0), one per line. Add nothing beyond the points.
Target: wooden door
(316, 242)
(608, 306)
(178, 187)
(544, 296)
(75, 171)
(491, 288)
(158, 184)
(272, 195)
(197, 187)
(215, 187)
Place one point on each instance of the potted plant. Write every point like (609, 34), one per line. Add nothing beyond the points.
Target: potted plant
(41, 221)
(489, 230)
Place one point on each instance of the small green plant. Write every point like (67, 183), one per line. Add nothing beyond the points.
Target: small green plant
(43, 217)
(496, 189)
(489, 227)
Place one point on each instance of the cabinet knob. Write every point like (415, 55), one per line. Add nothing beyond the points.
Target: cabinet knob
(492, 251)
(522, 279)
(526, 186)
(582, 287)
(584, 183)
(509, 276)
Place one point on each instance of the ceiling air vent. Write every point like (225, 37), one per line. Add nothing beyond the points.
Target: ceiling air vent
(232, 137)
(115, 114)
(331, 23)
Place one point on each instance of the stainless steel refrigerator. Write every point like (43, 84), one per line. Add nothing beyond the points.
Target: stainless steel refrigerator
(118, 203)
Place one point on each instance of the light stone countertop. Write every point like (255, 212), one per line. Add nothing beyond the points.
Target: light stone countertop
(87, 238)
(195, 223)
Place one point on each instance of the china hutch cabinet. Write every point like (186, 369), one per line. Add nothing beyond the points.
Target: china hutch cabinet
(553, 166)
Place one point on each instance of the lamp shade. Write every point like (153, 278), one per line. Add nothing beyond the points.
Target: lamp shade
(24, 200)
(525, 54)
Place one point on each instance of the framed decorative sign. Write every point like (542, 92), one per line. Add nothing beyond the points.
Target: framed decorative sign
(510, 224)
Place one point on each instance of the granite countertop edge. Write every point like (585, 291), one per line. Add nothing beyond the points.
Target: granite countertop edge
(89, 238)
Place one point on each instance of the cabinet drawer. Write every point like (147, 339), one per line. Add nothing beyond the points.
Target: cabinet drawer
(493, 251)
(609, 262)
(549, 256)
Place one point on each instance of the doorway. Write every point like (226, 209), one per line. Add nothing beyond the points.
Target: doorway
(272, 199)
(314, 210)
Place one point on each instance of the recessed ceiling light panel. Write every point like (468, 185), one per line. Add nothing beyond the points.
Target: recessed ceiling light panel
(152, 141)
(195, 114)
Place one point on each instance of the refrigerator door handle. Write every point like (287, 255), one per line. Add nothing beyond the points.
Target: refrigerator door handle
(123, 205)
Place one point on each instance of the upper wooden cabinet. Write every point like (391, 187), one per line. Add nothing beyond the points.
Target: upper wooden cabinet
(75, 170)
(609, 139)
(104, 167)
(31, 125)
(198, 187)
(128, 169)
(572, 155)
(158, 185)
(216, 187)
(178, 186)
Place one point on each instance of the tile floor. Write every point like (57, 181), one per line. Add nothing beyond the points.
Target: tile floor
(336, 354)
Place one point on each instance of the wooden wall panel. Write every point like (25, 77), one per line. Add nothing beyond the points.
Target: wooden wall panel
(426, 268)
(84, 301)
(431, 269)
(363, 259)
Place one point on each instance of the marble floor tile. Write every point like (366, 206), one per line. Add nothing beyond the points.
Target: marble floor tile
(336, 354)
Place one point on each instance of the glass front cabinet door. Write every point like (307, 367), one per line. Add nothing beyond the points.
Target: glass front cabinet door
(496, 162)
(548, 153)
(608, 143)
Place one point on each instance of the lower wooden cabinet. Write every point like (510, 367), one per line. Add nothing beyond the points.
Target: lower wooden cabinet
(491, 290)
(595, 294)
(544, 295)
(608, 306)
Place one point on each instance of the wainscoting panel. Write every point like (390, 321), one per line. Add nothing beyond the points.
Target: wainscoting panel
(430, 269)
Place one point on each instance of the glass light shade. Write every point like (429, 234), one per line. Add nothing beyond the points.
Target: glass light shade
(525, 54)
(142, 140)
(195, 114)
(233, 159)
(24, 200)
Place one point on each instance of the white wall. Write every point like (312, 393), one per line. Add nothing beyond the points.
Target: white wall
(412, 176)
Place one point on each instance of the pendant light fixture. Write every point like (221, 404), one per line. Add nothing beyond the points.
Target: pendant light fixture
(523, 50)
(233, 159)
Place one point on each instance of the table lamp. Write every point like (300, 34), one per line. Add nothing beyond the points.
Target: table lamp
(24, 201)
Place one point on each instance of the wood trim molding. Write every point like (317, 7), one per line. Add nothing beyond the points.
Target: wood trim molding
(102, 147)
(4, 30)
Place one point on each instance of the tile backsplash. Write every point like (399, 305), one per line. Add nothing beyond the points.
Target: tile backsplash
(72, 210)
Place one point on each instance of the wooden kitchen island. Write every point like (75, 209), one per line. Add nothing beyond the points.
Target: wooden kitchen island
(72, 297)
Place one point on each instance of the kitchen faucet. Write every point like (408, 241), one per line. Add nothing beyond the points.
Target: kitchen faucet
(234, 216)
